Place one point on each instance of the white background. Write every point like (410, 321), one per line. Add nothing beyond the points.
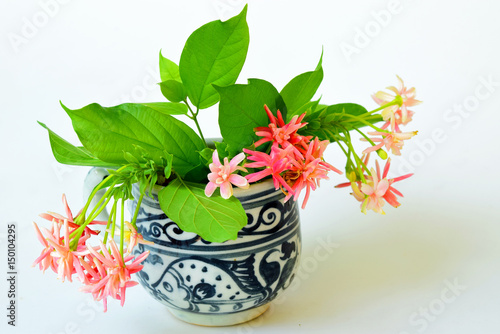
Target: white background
(380, 274)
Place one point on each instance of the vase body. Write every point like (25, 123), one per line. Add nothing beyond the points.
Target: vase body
(219, 284)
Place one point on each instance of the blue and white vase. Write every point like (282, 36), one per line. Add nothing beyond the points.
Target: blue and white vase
(220, 284)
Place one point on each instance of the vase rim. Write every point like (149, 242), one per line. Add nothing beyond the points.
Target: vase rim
(237, 192)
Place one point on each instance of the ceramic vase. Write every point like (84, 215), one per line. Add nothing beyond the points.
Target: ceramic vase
(220, 284)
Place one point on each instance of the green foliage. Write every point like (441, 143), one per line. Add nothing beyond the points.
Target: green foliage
(173, 90)
(301, 89)
(241, 109)
(144, 144)
(67, 153)
(108, 132)
(213, 218)
(169, 70)
(168, 108)
(331, 122)
(214, 54)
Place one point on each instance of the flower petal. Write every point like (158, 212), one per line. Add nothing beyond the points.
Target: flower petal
(226, 190)
(210, 188)
(238, 180)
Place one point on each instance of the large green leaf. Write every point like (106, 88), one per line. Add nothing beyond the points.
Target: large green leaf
(241, 109)
(168, 108)
(301, 89)
(214, 54)
(213, 218)
(67, 153)
(168, 69)
(109, 132)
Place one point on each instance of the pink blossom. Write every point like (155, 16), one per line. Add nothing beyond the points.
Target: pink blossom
(274, 164)
(64, 259)
(112, 274)
(51, 216)
(280, 133)
(391, 140)
(395, 114)
(222, 176)
(378, 189)
(307, 172)
(45, 260)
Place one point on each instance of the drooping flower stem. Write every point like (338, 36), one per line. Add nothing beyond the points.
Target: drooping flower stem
(362, 120)
(360, 165)
(365, 136)
(99, 207)
(96, 189)
(110, 222)
(136, 212)
(398, 100)
(113, 225)
(122, 226)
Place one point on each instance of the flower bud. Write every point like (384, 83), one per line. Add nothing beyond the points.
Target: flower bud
(382, 154)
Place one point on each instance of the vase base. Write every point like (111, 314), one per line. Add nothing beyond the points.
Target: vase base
(216, 320)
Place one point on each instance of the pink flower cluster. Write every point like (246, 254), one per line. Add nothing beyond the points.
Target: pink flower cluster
(377, 189)
(295, 162)
(394, 116)
(104, 273)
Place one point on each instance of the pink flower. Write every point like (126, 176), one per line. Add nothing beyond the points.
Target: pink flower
(391, 140)
(45, 260)
(51, 216)
(274, 164)
(307, 172)
(222, 176)
(280, 133)
(379, 190)
(113, 273)
(65, 260)
(131, 237)
(395, 114)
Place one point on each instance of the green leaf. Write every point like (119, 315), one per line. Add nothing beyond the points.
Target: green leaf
(168, 69)
(206, 155)
(307, 108)
(168, 108)
(173, 90)
(200, 172)
(221, 149)
(108, 132)
(213, 218)
(301, 89)
(241, 109)
(67, 153)
(214, 54)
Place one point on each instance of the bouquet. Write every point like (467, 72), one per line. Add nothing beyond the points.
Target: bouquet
(266, 134)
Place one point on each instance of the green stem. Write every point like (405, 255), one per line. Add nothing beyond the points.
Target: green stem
(122, 227)
(96, 189)
(194, 118)
(110, 220)
(360, 164)
(397, 100)
(365, 136)
(136, 213)
(359, 119)
(113, 225)
(348, 155)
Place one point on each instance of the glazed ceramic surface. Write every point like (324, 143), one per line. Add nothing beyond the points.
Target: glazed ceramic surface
(221, 283)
